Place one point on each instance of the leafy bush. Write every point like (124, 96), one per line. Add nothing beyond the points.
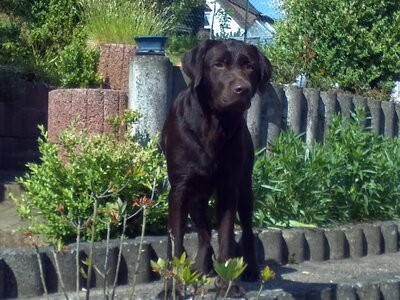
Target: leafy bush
(354, 176)
(60, 191)
(77, 65)
(118, 21)
(45, 38)
(355, 44)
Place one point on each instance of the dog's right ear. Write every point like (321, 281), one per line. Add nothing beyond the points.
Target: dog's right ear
(192, 62)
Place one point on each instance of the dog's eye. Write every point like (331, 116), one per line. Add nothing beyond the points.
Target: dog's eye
(219, 65)
(250, 67)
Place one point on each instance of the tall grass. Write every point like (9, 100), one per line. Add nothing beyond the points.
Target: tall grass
(118, 21)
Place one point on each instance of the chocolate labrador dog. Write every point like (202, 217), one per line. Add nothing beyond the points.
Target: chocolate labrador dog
(209, 149)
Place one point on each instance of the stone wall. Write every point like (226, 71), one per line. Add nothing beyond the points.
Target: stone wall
(90, 108)
(23, 106)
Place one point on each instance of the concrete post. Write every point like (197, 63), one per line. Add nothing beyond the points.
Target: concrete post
(272, 114)
(294, 98)
(150, 90)
(389, 118)
(361, 103)
(397, 125)
(345, 104)
(312, 97)
(330, 108)
(254, 119)
(375, 109)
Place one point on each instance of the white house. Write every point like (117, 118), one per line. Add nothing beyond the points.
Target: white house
(227, 18)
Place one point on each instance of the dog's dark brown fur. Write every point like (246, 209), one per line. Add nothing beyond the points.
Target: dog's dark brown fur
(209, 149)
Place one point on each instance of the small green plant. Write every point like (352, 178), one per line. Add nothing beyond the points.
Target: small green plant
(353, 176)
(180, 269)
(228, 271)
(266, 275)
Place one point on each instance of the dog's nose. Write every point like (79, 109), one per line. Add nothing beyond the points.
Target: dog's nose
(240, 89)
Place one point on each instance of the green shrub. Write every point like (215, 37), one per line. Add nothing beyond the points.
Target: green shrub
(354, 176)
(60, 190)
(77, 65)
(45, 38)
(355, 44)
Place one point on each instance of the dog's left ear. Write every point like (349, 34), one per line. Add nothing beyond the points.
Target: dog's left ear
(265, 70)
(192, 62)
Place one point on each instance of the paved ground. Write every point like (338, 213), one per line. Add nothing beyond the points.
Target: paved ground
(372, 277)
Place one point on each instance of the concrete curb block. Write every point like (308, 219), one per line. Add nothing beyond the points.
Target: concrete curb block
(20, 276)
(2, 278)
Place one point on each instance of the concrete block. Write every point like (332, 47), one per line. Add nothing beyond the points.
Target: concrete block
(356, 241)
(397, 116)
(390, 290)
(389, 118)
(390, 237)
(78, 108)
(368, 292)
(326, 293)
(273, 244)
(22, 275)
(317, 244)
(2, 278)
(345, 104)
(337, 243)
(295, 105)
(111, 109)
(60, 101)
(272, 115)
(374, 107)
(114, 65)
(95, 110)
(99, 258)
(130, 251)
(66, 260)
(313, 98)
(158, 246)
(360, 102)
(373, 237)
(346, 292)
(254, 122)
(330, 107)
(295, 244)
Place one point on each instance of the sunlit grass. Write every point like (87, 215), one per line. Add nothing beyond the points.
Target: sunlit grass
(118, 21)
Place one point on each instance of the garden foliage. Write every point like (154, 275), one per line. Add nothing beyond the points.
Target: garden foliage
(355, 44)
(40, 36)
(113, 168)
(353, 176)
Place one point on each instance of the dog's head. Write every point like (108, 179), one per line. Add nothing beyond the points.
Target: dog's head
(227, 72)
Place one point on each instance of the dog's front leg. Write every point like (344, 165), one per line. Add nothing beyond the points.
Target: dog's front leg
(177, 219)
(227, 198)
